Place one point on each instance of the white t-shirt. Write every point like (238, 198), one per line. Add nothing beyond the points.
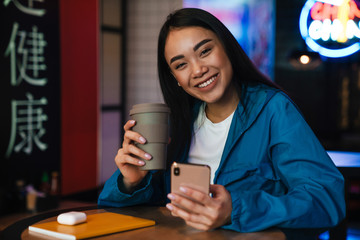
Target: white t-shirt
(208, 141)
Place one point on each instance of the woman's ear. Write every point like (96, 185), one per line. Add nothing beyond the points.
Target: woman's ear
(175, 78)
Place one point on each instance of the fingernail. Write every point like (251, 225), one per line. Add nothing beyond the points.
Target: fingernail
(142, 163)
(170, 196)
(132, 121)
(142, 140)
(170, 207)
(183, 189)
(148, 156)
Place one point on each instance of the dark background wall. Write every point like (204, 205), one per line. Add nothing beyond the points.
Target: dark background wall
(328, 95)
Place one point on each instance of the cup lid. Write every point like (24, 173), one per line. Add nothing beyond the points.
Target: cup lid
(149, 107)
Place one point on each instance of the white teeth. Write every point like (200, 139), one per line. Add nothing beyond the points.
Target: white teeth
(207, 82)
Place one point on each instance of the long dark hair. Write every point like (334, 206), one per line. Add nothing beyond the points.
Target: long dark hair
(181, 103)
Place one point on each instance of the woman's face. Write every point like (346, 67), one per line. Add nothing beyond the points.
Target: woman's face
(199, 63)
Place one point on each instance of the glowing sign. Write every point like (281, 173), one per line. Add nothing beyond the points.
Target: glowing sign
(331, 27)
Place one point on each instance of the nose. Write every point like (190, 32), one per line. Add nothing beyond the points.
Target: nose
(198, 69)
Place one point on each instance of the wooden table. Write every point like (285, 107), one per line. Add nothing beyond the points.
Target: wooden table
(9, 219)
(167, 227)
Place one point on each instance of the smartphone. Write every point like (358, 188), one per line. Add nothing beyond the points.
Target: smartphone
(195, 176)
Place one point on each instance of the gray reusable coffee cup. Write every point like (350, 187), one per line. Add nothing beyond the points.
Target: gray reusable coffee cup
(152, 122)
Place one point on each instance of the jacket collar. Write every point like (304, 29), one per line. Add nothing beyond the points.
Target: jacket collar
(253, 101)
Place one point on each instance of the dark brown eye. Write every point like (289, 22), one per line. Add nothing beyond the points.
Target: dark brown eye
(179, 65)
(205, 51)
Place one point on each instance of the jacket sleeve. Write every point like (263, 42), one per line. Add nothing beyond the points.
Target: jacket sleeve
(314, 196)
(113, 197)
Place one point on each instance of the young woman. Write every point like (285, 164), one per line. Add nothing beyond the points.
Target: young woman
(267, 167)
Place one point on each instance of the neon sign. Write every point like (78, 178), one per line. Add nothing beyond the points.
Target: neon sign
(331, 27)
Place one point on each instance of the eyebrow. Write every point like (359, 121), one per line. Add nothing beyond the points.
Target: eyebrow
(176, 58)
(196, 47)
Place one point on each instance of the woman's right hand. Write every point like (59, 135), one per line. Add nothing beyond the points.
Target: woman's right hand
(127, 158)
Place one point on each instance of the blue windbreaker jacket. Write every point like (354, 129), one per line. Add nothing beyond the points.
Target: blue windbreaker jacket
(276, 170)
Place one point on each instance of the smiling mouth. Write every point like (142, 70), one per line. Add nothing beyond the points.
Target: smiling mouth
(206, 83)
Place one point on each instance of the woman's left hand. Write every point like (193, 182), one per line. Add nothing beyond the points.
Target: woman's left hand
(204, 212)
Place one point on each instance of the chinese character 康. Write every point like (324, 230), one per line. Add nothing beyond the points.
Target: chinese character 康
(27, 122)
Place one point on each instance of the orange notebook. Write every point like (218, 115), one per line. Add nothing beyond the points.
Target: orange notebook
(96, 225)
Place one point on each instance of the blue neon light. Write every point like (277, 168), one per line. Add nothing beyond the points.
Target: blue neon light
(332, 53)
